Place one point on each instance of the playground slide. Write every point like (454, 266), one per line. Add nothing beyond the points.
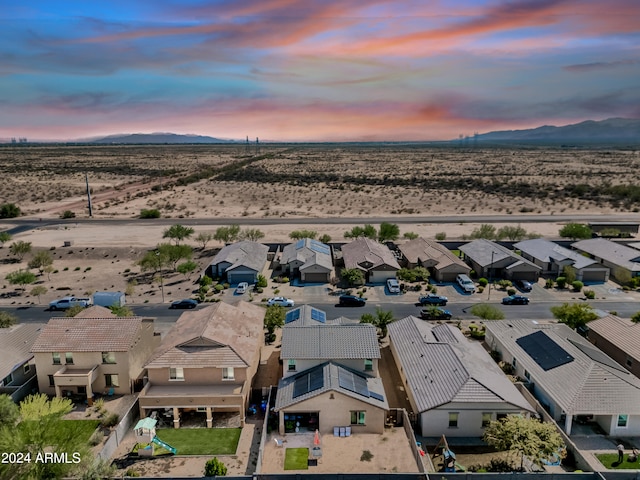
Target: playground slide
(166, 446)
(460, 468)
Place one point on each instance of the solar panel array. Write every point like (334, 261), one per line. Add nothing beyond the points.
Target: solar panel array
(318, 315)
(292, 316)
(544, 351)
(308, 382)
(319, 247)
(352, 382)
(300, 244)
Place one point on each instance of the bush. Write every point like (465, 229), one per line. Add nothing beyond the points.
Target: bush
(67, 214)
(440, 236)
(480, 289)
(589, 294)
(483, 282)
(111, 420)
(96, 438)
(549, 282)
(561, 282)
(218, 288)
(511, 291)
(577, 285)
(215, 467)
(150, 213)
(206, 280)
(262, 281)
(9, 210)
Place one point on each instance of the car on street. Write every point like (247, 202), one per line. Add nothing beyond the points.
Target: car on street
(282, 301)
(242, 288)
(184, 303)
(435, 313)
(432, 299)
(523, 285)
(515, 300)
(68, 302)
(352, 301)
(393, 285)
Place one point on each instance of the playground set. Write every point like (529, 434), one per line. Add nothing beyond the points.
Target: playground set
(146, 433)
(449, 463)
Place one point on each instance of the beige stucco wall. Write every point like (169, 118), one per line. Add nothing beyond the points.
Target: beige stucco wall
(146, 343)
(197, 376)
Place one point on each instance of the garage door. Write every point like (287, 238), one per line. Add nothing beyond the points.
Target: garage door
(241, 277)
(316, 278)
(381, 276)
(593, 276)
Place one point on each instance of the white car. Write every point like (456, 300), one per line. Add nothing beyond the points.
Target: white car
(242, 288)
(282, 301)
(393, 285)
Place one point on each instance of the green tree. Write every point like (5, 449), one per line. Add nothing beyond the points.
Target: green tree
(187, 268)
(153, 261)
(252, 234)
(121, 311)
(388, 232)
(381, 320)
(524, 437)
(410, 235)
(215, 468)
(7, 319)
(20, 249)
(41, 260)
(440, 236)
(574, 314)
(353, 276)
(4, 238)
(484, 231)
(37, 291)
(203, 238)
(511, 233)
(8, 411)
(228, 234)
(178, 233)
(21, 277)
(610, 232)
(635, 318)
(368, 231)
(174, 253)
(73, 311)
(324, 238)
(150, 213)
(575, 231)
(487, 312)
(300, 234)
(569, 274)
(9, 210)
(273, 318)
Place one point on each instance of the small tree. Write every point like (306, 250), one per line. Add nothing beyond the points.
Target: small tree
(300, 234)
(575, 314)
(4, 238)
(569, 273)
(324, 238)
(484, 231)
(381, 320)
(487, 312)
(67, 214)
(440, 236)
(215, 468)
(273, 318)
(41, 260)
(37, 291)
(175, 253)
(7, 319)
(153, 261)
(353, 276)
(9, 413)
(187, 268)
(73, 311)
(561, 282)
(203, 238)
(511, 233)
(635, 318)
(228, 234)
(575, 231)
(21, 277)
(121, 311)
(252, 234)
(577, 285)
(261, 281)
(150, 213)
(368, 231)
(178, 233)
(410, 235)
(388, 232)
(9, 210)
(20, 249)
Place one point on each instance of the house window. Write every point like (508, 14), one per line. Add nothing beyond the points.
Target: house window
(26, 368)
(108, 357)
(357, 418)
(68, 358)
(368, 364)
(453, 419)
(6, 380)
(514, 363)
(176, 374)
(228, 373)
(486, 419)
(623, 421)
(111, 380)
(292, 365)
(52, 383)
(527, 375)
(56, 358)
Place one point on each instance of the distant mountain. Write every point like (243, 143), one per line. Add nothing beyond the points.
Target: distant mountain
(159, 138)
(612, 130)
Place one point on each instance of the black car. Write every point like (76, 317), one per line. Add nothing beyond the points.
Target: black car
(524, 285)
(515, 300)
(432, 299)
(435, 313)
(185, 303)
(352, 301)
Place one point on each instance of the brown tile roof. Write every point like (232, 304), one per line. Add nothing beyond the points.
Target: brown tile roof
(421, 250)
(93, 334)
(366, 251)
(622, 333)
(220, 335)
(96, 311)
(15, 345)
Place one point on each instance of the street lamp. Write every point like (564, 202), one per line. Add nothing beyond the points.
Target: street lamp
(490, 274)
(160, 269)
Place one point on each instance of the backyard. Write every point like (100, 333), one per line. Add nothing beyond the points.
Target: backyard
(201, 441)
(610, 461)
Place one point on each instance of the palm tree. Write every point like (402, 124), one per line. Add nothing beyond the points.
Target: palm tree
(381, 320)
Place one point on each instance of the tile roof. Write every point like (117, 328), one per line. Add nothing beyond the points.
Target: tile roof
(585, 385)
(330, 373)
(329, 342)
(421, 250)
(613, 252)
(443, 366)
(309, 252)
(248, 254)
(15, 345)
(365, 250)
(220, 335)
(622, 333)
(548, 251)
(92, 334)
(484, 252)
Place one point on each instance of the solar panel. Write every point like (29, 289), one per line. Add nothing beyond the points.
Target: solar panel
(300, 386)
(353, 383)
(318, 315)
(377, 396)
(308, 382)
(544, 351)
(300, 244)
(292, 316)
(316, 379)
(319, 247)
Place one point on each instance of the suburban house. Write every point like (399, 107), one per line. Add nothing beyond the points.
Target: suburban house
(619, 258)
(93, 352)
(568, 375)
(493, 261)
(307, 259)
(442, 264)
(552, 258)
(239, 262)
(330, 375)
(619, 338)
(205, 364)
(452, 383)
(374, 259)
(17, 366)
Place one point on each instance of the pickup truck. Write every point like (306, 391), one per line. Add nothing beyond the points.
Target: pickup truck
(68, 302)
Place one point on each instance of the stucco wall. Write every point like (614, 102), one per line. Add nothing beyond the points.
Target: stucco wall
(196, 376)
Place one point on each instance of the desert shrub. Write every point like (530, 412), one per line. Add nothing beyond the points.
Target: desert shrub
(149, 213)
(366, 456)
(131, 473)
(635, 318)
(511, 291)
(218, 288)
(9, 210)
(440, 236)
(504, 284)
(111, 420)
(262, 281)
(589, 294)
(483, 282)
(96, 438)
(214, 467)
(577, 285)
(67, 214)
(561, 282)
(226, 285)
(480, 289)
(549, 282)
(206, 280)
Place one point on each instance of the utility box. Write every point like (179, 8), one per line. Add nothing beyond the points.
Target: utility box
(109, 299)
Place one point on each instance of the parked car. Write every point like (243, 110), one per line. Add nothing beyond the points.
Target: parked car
(282, 301)
(466, 283)
(435, 313)
(68, 302)
(432, 299)
(242, 288)
(523, 285)
(184, 303)
(352, 301)
(393, 285)
(515, 300)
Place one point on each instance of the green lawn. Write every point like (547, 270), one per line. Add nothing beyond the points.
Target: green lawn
(80, 428)
(201, 441)
(610, 461)
(296, 459)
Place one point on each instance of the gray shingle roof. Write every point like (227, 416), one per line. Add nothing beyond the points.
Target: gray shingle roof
(243, 254)
(365, 250)
(582, 386)
(307, 252)
(622, 333)
(330, 374)
(546, 250)
(484, 252)
(329, 342)
(421, 250)
(443, 368)
(15, 345)
(613, 252)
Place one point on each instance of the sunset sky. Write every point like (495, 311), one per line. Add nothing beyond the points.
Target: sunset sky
(314, 70)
